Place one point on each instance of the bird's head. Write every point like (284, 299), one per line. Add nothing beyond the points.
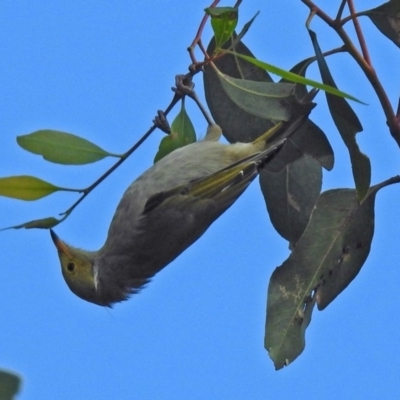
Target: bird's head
(78, 270)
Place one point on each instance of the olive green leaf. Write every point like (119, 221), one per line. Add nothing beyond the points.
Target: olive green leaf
(182, 133)
(25, 187)
(262, 99)
(62, 148)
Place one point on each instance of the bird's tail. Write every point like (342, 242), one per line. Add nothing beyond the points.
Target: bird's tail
(285, 129)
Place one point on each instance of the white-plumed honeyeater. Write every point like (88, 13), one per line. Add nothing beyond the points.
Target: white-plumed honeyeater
(164, 211)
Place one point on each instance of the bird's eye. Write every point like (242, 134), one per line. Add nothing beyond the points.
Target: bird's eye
(71, 267)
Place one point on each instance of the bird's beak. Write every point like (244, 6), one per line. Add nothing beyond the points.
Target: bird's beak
(60, 245)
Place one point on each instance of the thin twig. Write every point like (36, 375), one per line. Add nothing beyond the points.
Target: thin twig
(340, 11)
(368, 70)
(90, 188)
(359, 33)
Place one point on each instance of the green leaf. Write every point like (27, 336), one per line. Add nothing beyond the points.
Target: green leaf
(43, 223)
(29, 188)
(237, 125)
(347, 124)
(182, 133)
(290, 76)
(10, 385)
(223, 22)
(386, 18)
(290, 196)
(62, 147)
(262, 99)
(325, 260)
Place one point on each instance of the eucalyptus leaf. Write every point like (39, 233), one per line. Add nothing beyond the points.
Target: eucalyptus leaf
(62, 148)
(223, 22)
(263, 99)
(347, 124)
(237, 125)
(290, 196)
(25, 187)
(326, 258)
(182, 133)
(292, 77)
(386, 18)
(43, 223)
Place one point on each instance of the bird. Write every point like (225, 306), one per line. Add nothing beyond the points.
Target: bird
(165, 210)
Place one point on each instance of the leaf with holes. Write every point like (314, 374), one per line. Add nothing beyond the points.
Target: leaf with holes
(328, 256)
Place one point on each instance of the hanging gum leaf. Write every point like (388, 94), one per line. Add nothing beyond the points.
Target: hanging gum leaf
(290, 196)
(386, 18)
(328, 256)
(347, 124)
(182, 133)
(28, 188)
(62, 148)
(223, 22)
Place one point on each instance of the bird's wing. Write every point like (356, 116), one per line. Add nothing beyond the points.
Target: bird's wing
(226, 185)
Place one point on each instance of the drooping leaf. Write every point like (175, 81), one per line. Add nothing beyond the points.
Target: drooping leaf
(10, 385)
(182, 133)
(43, 223)
(386, 18)
(347, 124)
(62, 148)
(327, 257)
(26, 187)
(290, 196)
(223, 22)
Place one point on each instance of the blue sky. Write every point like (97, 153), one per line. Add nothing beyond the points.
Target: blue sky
(101, 70)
